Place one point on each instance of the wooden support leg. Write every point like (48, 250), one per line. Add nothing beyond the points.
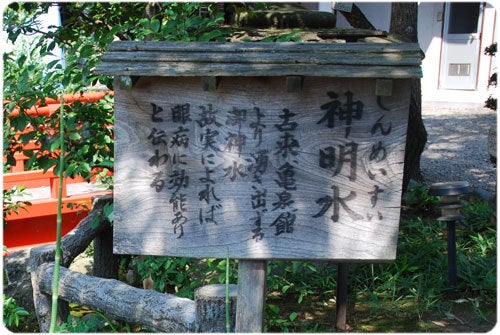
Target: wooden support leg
(342, 277)
(251, 296)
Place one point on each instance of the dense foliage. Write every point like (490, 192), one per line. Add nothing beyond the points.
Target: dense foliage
(87, 30)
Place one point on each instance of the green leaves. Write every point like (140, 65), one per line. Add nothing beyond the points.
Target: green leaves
(12, 313)
(290, 37)
(182, 22)
(87, 31)
(109, 212)
(11, 206)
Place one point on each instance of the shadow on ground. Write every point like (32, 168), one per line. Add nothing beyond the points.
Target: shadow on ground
(457, 146)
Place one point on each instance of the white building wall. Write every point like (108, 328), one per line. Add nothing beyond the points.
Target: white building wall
(430, 26)
(430, 23)
(430, 32)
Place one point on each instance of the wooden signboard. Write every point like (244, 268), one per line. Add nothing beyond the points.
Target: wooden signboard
(257, 170)
(262, 150)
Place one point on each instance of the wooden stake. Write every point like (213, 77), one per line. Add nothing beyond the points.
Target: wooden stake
(251, 296)
(342, 277)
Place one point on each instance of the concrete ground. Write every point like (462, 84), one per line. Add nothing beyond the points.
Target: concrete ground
(456, 148)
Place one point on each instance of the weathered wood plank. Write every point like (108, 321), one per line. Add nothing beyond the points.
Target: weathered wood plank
(395, 60)
(210, 83)
(282, 47)
(383, 87)
(210, 304)
(338, 58)
(350, 33)
(334, 195)
(342, 293)
(251, 70)
(250, 305)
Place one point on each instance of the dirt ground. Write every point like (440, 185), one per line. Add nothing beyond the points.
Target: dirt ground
(459, 318)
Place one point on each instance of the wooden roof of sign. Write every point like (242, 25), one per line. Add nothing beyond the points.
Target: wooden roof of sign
(376, 56)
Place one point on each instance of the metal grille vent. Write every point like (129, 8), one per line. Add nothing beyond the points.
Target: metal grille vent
(459, 70)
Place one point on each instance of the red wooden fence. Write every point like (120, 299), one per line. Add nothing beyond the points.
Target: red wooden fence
(36, 224)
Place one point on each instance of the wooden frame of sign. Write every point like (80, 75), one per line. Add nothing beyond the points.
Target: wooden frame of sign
(262, 150)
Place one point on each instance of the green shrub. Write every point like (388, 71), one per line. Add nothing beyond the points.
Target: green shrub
(182, 275)
(417, 197)
(12, 313)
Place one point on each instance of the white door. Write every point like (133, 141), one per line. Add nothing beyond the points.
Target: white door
(461, 43)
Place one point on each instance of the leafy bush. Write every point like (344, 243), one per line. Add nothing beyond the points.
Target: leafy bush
(12, 313)
(417, 197)
(478, 214)
(182, 275)
(10, 206)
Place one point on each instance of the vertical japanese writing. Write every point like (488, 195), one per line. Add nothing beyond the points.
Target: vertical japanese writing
(156, 110)
(258, 201)
(286, 146)
(258, 126)
(347, 153)
(235, 143)
(179, 179)
(210, 203)
(257, 169)
(198, 154)
(378, 153)
(336, 201)
(181, 114)
(160, 158)
(346, 112)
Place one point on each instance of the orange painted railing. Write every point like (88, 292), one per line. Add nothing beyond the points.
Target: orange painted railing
(50, 108)
(53, 105)
(36, 224)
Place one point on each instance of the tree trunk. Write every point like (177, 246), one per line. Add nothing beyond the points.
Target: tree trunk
(404, 17)
(105, 262)
(210, 304)
(357, 19)
(155, 310)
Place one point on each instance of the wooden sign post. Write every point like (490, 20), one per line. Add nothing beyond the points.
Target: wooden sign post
(268, 150)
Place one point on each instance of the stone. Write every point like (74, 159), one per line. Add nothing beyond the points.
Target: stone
(83, 263)
(18, 277)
